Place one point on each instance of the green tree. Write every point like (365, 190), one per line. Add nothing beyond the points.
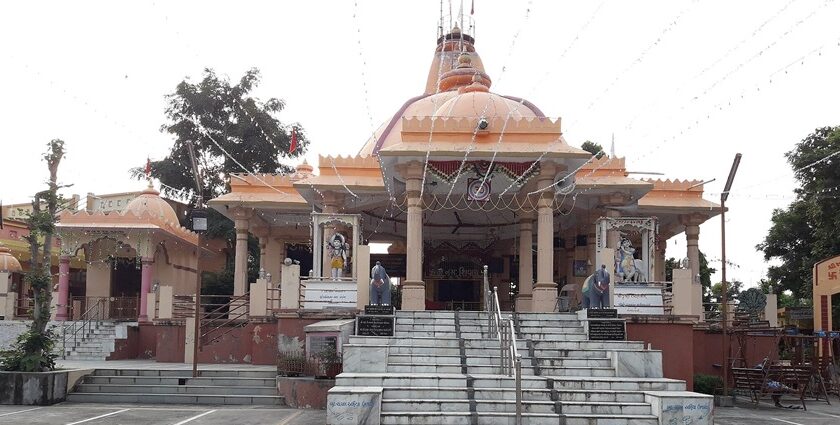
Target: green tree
(227, 126)
(805, 231)
(593, 148)
(32, 352)
(732, 290)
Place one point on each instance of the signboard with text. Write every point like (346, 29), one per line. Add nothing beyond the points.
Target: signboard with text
(638, 299)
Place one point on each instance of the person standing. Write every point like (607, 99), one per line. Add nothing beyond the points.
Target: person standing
(599, 293)
(380, 286)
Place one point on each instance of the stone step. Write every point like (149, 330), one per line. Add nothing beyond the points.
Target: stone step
(588, 345)
(582, 372)
(464, 418)
(617, 383)
(549, 324)
(266, 374)
(604, 408)
(532, 394)
(547, 316)
(156, 380)
(223, 399)
(569, 361)
(176, 389)
(450, 405)
(449, 368)
(83, 357)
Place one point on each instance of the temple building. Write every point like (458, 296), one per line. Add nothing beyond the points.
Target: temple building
(460, 177)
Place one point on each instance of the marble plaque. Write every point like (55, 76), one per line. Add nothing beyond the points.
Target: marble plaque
(354, 406)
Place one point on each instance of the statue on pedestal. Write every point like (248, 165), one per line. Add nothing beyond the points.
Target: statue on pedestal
(627, 267)
(380, 286)
(339, 255)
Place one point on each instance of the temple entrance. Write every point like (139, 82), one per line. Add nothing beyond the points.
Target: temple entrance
(125, 290)
(458, 295)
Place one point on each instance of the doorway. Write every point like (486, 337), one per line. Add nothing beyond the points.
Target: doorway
(458, 295)
(125, 290)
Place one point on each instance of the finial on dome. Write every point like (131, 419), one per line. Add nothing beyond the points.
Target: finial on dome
(456, 29)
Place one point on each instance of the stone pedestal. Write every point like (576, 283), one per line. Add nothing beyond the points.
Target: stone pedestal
(290, 287)
(413, 296)
(363, 279)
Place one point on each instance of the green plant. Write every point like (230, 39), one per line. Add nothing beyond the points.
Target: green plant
(31, 352)
(707, 384)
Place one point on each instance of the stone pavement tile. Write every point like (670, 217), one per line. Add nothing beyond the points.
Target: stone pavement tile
(65, 413)
(817, 414)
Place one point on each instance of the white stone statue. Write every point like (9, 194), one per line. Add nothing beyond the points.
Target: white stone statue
(627, 268)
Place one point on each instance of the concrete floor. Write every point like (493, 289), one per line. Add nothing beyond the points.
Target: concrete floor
(818, 413)
(105, 414)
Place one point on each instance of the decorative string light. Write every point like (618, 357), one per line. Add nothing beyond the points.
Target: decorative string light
(703, 72)
(668, 28)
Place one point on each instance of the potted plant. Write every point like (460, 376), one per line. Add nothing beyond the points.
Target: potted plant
(292, 363)
(329, 363)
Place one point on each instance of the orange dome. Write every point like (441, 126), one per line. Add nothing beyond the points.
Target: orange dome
(151, 202)
(483, 104)
(8, 263)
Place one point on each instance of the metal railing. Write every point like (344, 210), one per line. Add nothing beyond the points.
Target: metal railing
(230, 315)
(85, 325)
(510, 362)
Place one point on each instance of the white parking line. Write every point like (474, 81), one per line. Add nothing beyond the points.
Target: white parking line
(97, 417)
(288, 420)
(825, 414)
(787, 422)
(195, 417)
(19, 411)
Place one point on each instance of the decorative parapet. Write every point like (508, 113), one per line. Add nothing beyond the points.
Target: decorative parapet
(603, 166)
(241, 182)
(676, 187)
(523, 125)
(349, 164)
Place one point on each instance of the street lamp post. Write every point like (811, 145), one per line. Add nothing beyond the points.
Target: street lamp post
(723, 285)
(199, 226)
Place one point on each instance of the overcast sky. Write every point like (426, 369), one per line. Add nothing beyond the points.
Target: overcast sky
(683, 85)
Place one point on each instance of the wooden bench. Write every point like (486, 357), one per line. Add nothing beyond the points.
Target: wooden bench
(796, 380)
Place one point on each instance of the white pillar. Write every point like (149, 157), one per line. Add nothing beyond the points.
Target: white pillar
(414, 290)
(240, 262)
(526, 264)
(545, 290)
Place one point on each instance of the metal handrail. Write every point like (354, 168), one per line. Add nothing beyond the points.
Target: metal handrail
(510, 363)
(87, 319)
(242, 304)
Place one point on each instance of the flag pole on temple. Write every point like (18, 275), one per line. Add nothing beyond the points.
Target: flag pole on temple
(293, 143)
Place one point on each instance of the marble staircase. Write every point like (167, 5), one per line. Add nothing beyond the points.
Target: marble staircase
(443, 368)
(164, 386)
(95, 342)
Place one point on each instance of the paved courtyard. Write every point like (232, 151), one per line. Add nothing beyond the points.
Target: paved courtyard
(104, 414)
(818, 413)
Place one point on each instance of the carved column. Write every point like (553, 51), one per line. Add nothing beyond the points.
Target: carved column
(545, 290)
(526, 263)
(240, 262)
(147, 270)
(63, 287)
(660, 260)
(692, 236)
(333, 202)
(571, 245)
(414, 290)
